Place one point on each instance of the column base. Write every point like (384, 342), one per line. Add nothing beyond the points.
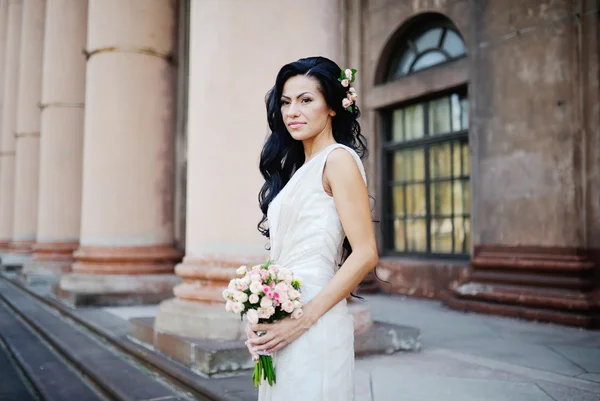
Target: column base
(198, 320)
(76, 289)
(50, 260)
(558, 285)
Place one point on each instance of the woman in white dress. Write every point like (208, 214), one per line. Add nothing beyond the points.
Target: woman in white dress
(317, 216)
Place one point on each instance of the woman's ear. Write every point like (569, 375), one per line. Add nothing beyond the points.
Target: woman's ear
(332, 113)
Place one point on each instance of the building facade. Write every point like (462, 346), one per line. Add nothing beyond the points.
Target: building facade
(131, 132)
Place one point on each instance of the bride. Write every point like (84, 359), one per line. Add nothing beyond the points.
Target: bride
(316, 213)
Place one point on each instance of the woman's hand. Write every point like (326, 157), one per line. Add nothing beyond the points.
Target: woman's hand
(251, 335)
(279, 334)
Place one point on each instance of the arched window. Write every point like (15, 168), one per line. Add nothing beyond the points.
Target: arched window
(426, 169)
(426, 45)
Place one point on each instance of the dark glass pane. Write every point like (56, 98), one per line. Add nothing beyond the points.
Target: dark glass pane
(398, 163)
(439, 160)
(466, 159)
(399, 235)
(439, 116)
(459, 201)
(416, 234)
(429, 40)
(428, 60)
(453, 44)
(441, 235)
(461, 234)
(415, 122)
(397, 126)
(441, 198)
(456, 113)
(415, 200)
(466, 187)
(456, 162)
(398, 200)
(405, 62)
(414, 164)
(464, 118)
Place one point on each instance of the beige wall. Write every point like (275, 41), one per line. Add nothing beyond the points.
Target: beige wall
(236, 51)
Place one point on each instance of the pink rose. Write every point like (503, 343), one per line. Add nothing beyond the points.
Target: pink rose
(345, 83)
(353, 96)
(346, 102)
(266, 289)
(297, 314)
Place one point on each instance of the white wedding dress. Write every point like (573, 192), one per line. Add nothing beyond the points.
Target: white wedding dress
(306, 237)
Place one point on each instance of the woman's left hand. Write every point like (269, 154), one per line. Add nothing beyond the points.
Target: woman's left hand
(279, 334)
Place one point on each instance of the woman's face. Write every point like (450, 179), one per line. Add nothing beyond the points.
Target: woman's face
(304, 110)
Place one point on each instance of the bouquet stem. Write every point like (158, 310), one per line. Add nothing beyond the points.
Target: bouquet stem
(263, 370)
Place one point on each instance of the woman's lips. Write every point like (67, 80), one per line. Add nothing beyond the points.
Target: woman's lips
(295, 124)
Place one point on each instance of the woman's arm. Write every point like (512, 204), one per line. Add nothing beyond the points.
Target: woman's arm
(343, 178)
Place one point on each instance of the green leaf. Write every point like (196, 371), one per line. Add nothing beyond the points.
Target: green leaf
(354, 71)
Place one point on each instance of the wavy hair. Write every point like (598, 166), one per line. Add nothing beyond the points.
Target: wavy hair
(282, 155)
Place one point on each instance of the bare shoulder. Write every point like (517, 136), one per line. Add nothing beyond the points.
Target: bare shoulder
(341, 171)
(340, 160)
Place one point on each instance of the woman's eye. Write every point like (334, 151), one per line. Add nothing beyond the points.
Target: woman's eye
(284, 102)
(306, 100)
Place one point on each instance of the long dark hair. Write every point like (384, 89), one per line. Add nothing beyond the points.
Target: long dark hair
(282, 155)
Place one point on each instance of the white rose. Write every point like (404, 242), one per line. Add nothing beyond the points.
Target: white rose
(281, 287)
(297, 304)
(226, 294)
(287, 306)
(255, 278)
(294, 294)
(345, 83)
(254, 298)
(297, 314)
(245, 280)
(241, 297)
(348, 73)
(266, 302)
(283, 296)
(229, 306)
(270, 311)
(231, 286)
(241, 270)
(255, 287)
(262, 313)
(352, 90)
(237, 307)
(288, 278)
(252, 315)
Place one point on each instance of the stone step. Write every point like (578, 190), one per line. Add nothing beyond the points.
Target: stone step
(13, 385)
(115, 331)
(50, 375)
(114, 374)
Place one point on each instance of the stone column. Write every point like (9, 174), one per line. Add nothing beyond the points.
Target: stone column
(61, 150)
(227, 127)
(126, 251)
(27, 134)
(9, 114)
(533, 164)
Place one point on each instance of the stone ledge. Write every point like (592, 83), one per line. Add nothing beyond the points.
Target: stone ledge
(77, 289)
(210, 357)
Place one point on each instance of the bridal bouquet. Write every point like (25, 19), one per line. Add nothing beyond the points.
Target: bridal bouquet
(265, 294)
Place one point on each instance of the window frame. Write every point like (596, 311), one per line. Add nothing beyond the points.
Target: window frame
(407, 43)
(389, 147)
